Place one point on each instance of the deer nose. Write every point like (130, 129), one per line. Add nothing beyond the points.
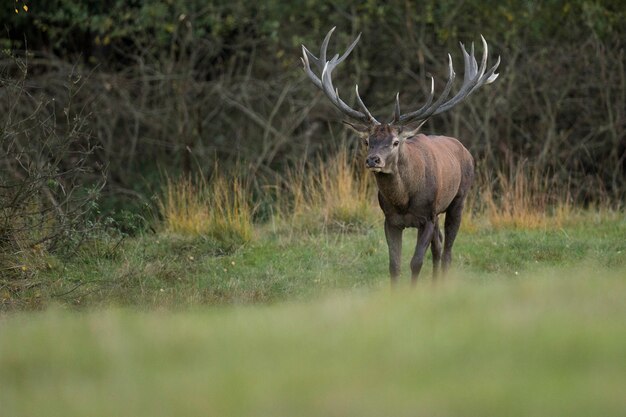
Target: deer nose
(372, 161)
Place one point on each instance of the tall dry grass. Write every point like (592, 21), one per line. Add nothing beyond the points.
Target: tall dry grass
(518, 197)
(334, 194)
(338, 195)
(218, 208)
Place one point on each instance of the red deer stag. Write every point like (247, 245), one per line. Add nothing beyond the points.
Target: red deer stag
(418, 176)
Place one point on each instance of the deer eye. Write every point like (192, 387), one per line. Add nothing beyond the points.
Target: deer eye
(366, 142)
(396, 143)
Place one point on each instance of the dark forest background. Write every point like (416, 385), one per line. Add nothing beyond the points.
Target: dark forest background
(100, 100)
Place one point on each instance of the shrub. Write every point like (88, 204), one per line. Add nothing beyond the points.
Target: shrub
(47, 188)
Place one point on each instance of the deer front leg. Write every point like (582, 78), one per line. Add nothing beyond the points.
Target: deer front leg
(424, 236)
(394, 243)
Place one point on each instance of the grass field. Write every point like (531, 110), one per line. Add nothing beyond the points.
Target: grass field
(169, 270)
(530, 322)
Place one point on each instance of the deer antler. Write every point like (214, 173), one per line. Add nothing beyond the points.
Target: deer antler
(474, 77)
(325, 83)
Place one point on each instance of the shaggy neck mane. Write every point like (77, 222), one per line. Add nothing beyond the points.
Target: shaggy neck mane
(394, 186)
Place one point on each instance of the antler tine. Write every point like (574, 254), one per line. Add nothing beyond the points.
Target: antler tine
(307, 67)
(396, 109)
(469, 80)
(362, 105)
(319, 62)
(483, 63)
(431, 95)
(324, 47)
(480, 78)
(325, 83)
(430, 110)
(350, 48)
(492, 75)
(473, 78)
(429, 100)
(333, 94)
(474, 64)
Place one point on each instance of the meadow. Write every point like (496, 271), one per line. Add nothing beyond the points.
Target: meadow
(187, 229)
(301, 321)
(215, 310)
(325, 234)
(180, 271)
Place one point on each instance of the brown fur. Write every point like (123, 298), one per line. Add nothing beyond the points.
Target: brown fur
(419, 178)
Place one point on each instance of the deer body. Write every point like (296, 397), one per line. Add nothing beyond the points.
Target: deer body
(432, 176)
(419, 177)
(431, 172)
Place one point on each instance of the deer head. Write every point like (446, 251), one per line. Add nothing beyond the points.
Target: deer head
(384, 140)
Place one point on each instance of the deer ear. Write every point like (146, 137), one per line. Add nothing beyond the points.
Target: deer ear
(361, 130)
(410, 130)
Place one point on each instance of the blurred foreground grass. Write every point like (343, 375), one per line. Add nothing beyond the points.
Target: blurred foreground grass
(548, 342)
(530, 322)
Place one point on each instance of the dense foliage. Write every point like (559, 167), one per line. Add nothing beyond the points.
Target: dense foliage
(133, 89)
(183, 83)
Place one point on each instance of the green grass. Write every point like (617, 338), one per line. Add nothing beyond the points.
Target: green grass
(543, 344)
(279, 264)
(529, 322)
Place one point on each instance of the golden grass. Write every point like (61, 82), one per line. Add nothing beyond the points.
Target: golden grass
(334, 194)
(520, 199)
(219, 208)
(337, 194)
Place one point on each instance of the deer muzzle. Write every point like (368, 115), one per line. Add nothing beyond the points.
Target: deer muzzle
(374, 163)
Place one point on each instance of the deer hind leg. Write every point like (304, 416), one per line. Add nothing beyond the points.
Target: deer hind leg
(452, 224)
(424, 237)
(436, 248)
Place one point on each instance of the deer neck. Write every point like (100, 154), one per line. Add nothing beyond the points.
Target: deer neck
(393, 186)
